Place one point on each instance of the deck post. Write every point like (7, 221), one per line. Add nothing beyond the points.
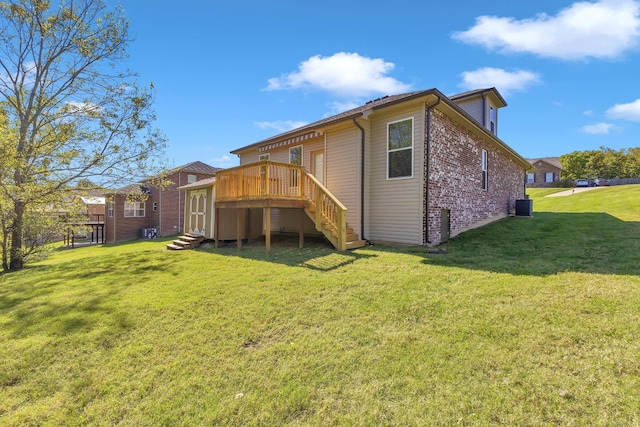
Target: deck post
(216, 226)
(301, 238)
(239, 229)
(267, 231)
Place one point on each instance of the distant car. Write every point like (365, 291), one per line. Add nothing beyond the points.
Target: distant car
(582, 182)
(601, 182)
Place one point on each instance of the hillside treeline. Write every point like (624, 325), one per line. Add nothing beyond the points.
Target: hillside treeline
(603, 163)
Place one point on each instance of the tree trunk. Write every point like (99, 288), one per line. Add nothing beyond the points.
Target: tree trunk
(16, 259)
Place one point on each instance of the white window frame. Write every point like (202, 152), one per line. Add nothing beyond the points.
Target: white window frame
(264, 156)
(485, 174)
(531, 178)
(191, 178)
(134, 209)
(110, 209)
(549, 177)
(395, 150)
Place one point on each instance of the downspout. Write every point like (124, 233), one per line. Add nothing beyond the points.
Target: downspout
(179, 185)
(427, 169)
(355, 122)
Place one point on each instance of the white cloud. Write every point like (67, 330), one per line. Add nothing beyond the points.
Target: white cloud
(630, 111)
(504, 81)
(281, 125)
(224, 161)
(588, 113)
(342, 74)
(600, 29)
(598, 128)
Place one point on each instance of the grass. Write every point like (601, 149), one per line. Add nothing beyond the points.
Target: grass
(528, 321)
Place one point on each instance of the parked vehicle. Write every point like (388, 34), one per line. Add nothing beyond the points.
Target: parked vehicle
(582, 182)
(601, 182)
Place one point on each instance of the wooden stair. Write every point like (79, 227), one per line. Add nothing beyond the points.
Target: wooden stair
(187, 241)
(330, 232)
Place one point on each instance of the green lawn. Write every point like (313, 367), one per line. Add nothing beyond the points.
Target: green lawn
(528, 321)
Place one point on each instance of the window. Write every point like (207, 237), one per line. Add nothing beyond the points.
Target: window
(295, 158)
(133, 209)
(295, 155)
(264, 156)
(155, 206)
(191, 179)
(484, 169)
(548, 177)
(400, 149)
(492, 120)
(110, 210)
(531, 178)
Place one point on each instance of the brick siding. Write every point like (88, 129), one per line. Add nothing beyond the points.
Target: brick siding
(455, 180)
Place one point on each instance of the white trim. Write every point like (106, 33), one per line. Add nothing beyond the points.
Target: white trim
(264, 156)
(401, 149)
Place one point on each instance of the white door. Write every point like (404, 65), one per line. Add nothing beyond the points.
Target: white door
(197, 212)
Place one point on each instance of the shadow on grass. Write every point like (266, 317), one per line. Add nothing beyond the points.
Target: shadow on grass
(63, 301)
(548, 243)
(317, 253)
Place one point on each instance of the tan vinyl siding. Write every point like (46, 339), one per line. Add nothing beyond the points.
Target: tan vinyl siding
(474, 108)
(342, 160)
(396, 205)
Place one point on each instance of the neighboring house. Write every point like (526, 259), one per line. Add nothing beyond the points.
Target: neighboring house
(548, 171)
(416, 168)
(144, 210)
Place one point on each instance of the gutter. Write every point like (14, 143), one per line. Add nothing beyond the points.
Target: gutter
(427, 168)
(362, 139)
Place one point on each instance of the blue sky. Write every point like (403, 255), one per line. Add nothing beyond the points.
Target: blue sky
(229, 73)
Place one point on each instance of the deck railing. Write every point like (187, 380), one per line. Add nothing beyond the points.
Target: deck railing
(271, 180)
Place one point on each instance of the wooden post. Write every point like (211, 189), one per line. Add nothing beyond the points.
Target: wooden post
(301, 238)
(342, 230)
(267, 231)
(216, 226)
(239, 229)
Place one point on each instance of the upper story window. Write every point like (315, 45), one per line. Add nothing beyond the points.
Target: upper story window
(133, 209)
(531, 178)
(484, 170)
(191, 179)
(295, 155)
(400, 149)
(110, 208)
(264, 156)
(492, 120)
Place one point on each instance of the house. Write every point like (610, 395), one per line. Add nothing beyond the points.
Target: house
(548, 170)
(416, 168)
(147, 210)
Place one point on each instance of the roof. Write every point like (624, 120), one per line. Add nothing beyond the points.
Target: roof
(203, 183)
(491, 92)
(308, 130)
(195, 167)
(347, 115)
(553, 161)
(131, 189)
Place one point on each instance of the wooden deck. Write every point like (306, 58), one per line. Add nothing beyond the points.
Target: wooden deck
(269, 184)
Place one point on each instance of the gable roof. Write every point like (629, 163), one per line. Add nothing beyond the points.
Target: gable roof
(553, 161)
(490, 92)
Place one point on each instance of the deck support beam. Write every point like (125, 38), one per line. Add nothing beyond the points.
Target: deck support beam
(301, 238)
(267, 231)
(239, 229)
